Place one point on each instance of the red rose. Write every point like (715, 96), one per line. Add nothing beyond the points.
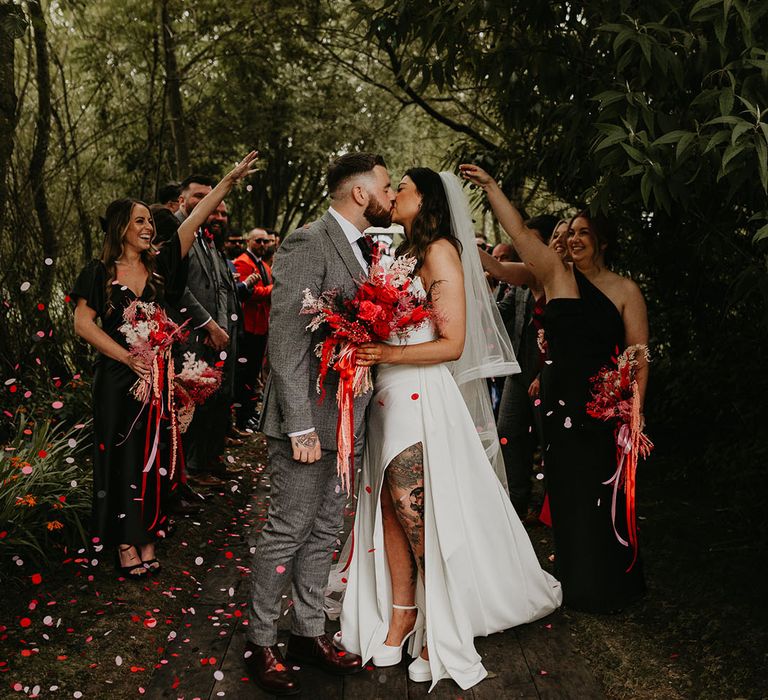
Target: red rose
(368, 311)
(381, 329)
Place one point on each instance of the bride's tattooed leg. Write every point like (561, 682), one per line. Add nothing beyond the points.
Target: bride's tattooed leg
(405, 479)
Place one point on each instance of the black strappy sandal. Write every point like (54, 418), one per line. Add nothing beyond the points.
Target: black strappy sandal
(153, 566)
(128, 571)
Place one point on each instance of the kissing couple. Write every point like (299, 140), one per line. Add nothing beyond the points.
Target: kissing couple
(439, 554)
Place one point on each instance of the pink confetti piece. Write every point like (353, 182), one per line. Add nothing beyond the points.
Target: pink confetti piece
(280, 569)
(57, 404)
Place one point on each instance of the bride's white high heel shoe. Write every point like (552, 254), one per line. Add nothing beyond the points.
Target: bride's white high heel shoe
(387, 655)
(419, 671)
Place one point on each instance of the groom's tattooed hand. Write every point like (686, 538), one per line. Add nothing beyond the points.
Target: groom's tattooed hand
(309, 440)
(306, 447)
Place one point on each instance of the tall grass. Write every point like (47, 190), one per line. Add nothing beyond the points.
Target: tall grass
(45, 492)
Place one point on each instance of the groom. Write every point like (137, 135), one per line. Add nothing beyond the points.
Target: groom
(306, 505)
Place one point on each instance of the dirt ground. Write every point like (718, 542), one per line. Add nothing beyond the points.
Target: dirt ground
(699, 633)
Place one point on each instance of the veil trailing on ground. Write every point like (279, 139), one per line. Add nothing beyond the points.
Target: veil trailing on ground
(487, 347)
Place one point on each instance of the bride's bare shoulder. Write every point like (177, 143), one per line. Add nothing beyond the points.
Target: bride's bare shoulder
(441, 252)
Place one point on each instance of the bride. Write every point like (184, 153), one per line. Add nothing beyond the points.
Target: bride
(440, 556)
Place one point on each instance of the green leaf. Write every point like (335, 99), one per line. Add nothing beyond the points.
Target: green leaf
(14, 24)
(702, 5)
(726, 101)
(633, 153)
(762, 161)
(731, 152)
(724, 120)
(683, 143)
(761, 234)
(716, 140)
(721, 28)
(645, 187)
(670, 137)
(609, 97)
(645, 45)
(634, 170)
(622, 37)
(739, 129)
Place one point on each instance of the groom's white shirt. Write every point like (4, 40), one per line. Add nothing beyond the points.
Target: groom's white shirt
(353, 234)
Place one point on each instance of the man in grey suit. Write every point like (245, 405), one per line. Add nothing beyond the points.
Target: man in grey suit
(306, 505)
(210, 303)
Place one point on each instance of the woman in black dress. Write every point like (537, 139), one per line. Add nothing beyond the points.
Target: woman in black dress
(592, 314)
(127, 501)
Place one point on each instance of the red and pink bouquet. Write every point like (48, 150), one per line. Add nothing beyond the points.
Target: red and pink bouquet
(196, 381)
(615, 397)
(384, 305)
(151, 334)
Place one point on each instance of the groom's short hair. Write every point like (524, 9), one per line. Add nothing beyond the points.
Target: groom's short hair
(347, 166)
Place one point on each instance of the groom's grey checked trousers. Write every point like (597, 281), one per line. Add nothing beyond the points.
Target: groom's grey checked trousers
(306, 513)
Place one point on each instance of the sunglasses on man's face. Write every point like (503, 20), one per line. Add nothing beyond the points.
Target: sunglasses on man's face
(262, 240)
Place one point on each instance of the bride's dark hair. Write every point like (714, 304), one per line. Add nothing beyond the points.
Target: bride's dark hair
(433, 221)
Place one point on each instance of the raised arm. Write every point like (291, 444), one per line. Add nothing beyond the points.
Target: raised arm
(442, 272)
(515, 273)
(200, 213)
(542, 262)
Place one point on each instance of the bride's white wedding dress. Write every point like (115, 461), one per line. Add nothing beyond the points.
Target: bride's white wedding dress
(482, 575)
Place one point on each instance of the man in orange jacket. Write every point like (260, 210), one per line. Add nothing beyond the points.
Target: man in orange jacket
(260, 244)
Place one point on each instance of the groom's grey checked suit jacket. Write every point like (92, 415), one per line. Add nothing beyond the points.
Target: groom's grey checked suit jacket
(318, 257)
(306, 506)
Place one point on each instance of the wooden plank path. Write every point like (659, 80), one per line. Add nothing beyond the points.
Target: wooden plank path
(204, 660)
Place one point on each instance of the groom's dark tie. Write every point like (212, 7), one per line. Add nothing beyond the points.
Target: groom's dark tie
(366, 246)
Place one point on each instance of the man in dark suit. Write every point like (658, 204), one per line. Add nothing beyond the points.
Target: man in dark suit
(255, 320)
(210, 304)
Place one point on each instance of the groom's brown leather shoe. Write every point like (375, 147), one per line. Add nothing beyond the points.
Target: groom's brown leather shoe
(320, 652)
(268, 671)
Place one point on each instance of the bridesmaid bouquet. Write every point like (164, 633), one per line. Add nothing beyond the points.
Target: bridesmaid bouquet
(151, 335)
(615, 397)
(383, 305)
(193, 385)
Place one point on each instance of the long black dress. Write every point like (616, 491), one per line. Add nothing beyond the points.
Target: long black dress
(582, 336)
(127, 504)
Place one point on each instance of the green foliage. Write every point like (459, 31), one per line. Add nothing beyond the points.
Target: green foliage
(45, 498)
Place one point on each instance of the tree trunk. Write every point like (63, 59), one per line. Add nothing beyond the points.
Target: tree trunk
(173, 92)
(67, 135)
(8, 101)
(40, 149)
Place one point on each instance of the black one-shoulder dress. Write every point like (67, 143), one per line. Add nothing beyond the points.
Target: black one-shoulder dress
(583, 335)
(128, 504)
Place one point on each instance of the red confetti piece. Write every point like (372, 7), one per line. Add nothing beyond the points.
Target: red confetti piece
(25, 622)
(36, 579)
(503, 441)
(414, 396)
(368, 489)
(42, 454)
